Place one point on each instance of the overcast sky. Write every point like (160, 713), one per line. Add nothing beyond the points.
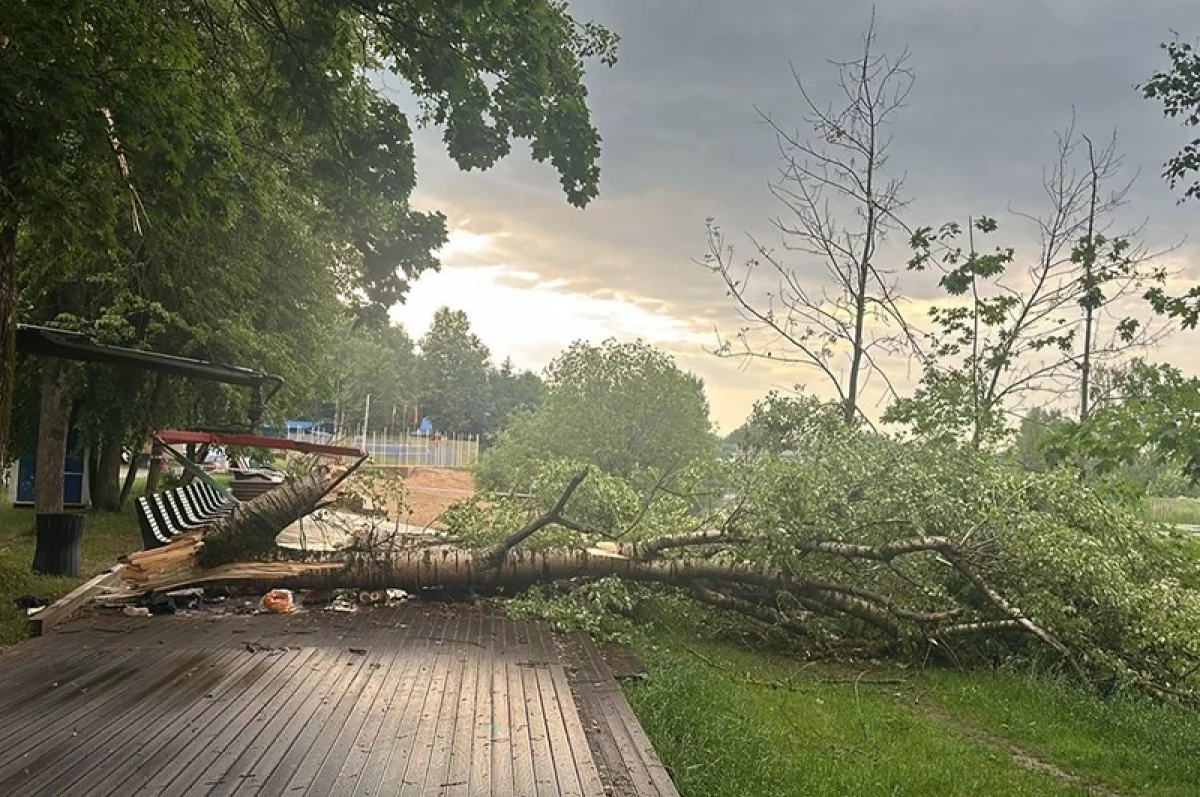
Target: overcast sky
(683, 142)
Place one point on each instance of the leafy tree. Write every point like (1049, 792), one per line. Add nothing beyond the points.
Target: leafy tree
(1148, 411)
(625, 407)
(372, 361)
(994, 344)
(780, 424)
(452, 373)
(1035, 429)
(1178, 89)
(511, 391)
(122, 119)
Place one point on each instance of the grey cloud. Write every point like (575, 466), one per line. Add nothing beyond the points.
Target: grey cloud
(682, 142)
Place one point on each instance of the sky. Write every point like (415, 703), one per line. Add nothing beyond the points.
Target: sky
(684, 142)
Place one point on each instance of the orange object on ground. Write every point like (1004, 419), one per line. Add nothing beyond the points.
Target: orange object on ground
(279, 601)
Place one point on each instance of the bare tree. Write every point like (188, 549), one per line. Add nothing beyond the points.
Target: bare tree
(840, 203)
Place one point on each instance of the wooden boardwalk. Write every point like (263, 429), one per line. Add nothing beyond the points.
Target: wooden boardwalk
(411, 700)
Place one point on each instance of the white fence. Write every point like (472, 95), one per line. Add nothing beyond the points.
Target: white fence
(401, 450)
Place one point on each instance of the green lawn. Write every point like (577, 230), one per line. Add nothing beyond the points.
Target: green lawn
(106, 536)
(1175, 510)
(727, 721)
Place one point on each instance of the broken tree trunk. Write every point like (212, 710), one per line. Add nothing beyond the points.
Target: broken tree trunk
(222, 556)
(249, 533)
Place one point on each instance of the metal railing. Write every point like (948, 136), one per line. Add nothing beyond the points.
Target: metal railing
(391, 449)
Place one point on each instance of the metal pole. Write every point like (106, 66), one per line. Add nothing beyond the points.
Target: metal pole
(366, 420)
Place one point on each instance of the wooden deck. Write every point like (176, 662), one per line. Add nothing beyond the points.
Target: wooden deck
(411, 700)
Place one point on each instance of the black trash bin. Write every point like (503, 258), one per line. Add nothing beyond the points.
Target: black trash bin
(59, 544)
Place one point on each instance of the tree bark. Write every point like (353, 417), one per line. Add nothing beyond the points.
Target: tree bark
(130, 476)
(9, 220)
(53, 419)
(157, 462)
(106, 489)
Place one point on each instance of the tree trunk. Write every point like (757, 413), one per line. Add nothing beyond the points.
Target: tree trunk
(53, 419)
(8, 286)
(130, 476)
(106, 489)
(59, 544)
(158, 461)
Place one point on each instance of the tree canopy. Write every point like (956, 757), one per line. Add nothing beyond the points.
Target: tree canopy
(203, 170)
(625, 407)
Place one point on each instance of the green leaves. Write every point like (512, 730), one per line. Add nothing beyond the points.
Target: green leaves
(624, 407)
(453, 374)
(269, 172)
(1178, 89)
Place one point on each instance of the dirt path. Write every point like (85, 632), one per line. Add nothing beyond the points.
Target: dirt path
(1020, 756)
(431, 491)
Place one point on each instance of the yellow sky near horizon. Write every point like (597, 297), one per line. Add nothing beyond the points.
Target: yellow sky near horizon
(523, 316)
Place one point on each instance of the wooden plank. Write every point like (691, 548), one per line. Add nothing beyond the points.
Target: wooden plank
(117, 773)
(458, 703)
(414, 781)
(647, 772)
(390, 755)
(483, 724)
(353, 767)
(311, 719)
(473, 728)
(206, 745)
(570, 743)
(302, 765)
(78, 723)
(122, 738)
(52, 705)
(450, 762)
(339, 758)
(545, 776)
(501, 753)
(68, 605)
(238, 761)
(518, 717)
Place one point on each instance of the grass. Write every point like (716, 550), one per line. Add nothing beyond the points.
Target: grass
(106, 536)
(1136, 745)
(722, 728)
(1175, 510)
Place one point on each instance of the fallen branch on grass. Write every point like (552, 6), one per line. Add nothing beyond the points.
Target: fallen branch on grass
(229, 554)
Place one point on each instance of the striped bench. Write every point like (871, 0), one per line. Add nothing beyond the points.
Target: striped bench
(163, 515)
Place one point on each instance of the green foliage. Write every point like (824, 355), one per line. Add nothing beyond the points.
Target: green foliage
(1150, 413)
(375, 361)
(624, 407)
(611, 506)
(511, 391)
(1035, 429)
(779, 424)
(1178, 89)
(1092, 571)
(600, 607)
(211, 179)
(453, 374)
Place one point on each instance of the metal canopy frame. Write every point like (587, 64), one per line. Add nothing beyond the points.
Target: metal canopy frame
(171, 436)
(81, 347)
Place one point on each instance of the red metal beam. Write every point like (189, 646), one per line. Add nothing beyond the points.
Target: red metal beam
(171, 437)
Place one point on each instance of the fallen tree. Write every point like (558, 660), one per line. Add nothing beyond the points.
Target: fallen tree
(971, 558)
(210, 559)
